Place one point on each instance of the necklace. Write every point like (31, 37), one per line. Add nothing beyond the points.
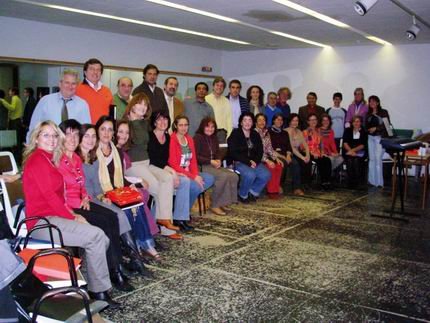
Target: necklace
(76, 171)
(209, 145)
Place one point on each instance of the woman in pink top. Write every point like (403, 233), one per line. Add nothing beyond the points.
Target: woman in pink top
(78, 200)
(329, 143)
(313, 139)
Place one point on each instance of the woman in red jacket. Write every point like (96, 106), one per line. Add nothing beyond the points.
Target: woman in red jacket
(183, 159)
(43, 188)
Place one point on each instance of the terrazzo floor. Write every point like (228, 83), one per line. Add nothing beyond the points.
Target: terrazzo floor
(318, 258)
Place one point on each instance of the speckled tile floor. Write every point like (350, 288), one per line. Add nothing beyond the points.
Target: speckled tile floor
(320, 258)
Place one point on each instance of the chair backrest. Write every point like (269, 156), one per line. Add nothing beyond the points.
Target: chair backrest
(7, 163)
(7, 205)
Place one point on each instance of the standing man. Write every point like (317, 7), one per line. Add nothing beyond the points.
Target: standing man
(238, 103)
(284, 94)
(311, 107)
(62, 105)
(123, 96)
(271, 109)
(220, 105)
(197, 109)
(152, 91)
(176, 107)
(30, 105)
(98, 96)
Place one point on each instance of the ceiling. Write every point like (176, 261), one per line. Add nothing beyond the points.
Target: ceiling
(384, 20)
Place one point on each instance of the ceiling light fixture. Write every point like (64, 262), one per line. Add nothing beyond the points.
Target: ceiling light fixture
(363, 6)
(197, 11)
(332, 21)
(312, 13)
(412, 32)
(133, 21)
(224, 18)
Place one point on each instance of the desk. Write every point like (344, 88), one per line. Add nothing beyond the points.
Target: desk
(418, 161)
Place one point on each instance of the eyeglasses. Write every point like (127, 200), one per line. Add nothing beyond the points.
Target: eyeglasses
(48, 136)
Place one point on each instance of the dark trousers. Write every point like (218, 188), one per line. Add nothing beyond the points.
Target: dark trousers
(16, 125)
(106, 220)
(296, 172)
(354, 169)
(324, 168)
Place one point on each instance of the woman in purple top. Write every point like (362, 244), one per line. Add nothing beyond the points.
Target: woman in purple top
(358, 107)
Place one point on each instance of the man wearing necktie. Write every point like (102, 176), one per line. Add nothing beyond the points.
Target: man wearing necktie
(63, 105)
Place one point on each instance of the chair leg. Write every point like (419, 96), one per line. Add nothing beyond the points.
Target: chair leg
(200, 204)
(204, 202)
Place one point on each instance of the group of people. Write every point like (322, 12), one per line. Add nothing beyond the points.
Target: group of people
(170, 152)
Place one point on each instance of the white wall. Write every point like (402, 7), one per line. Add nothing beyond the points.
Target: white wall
(399, 75)
(31, 39)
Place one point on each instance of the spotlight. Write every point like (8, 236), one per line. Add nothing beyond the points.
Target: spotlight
(363, 6)
(413, 30)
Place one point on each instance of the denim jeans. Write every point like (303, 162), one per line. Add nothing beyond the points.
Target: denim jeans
(140, 228)
(187, 193)
(376, 152)
(252, 180)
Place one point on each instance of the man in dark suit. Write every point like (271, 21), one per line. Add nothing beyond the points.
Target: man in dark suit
(310, 108)
(149, 87)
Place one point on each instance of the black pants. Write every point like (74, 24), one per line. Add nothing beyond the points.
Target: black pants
(296, 173)
(324, 168)
(354, 169)
(106, 220)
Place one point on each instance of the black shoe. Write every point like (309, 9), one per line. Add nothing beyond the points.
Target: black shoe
(104, 296)
(120, 281)
(188, 226)
(136, 260)
(183, 225)
(252, 198)
(242, 200)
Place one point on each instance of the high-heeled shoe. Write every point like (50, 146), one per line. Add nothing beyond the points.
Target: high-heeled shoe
(104, 296)
(120, 281)
(153, 254)
(133, 252)
(168, 224)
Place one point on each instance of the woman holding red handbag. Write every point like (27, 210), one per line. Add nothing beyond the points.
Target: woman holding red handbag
(111, 176)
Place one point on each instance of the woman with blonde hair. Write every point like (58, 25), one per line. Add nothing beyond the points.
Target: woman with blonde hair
(160, 181)
(43, 188)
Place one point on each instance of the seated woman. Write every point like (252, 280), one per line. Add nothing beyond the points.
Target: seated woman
(246, 150)
(329, 143)
(122, 139)
(87, 150)
(270, 157)
(208, 156)
(300, 149)
(160, 182)
(313, 139)
(355, 151)
(281, 144)
(79, 201)
(111, 176)
(43, 187)
(158, 151)
(183, 159)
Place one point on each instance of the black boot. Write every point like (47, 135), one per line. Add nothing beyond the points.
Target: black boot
(136, 260)
(120, 281)
(104, 296)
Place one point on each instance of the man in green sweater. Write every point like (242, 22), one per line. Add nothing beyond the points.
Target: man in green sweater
(16, 112)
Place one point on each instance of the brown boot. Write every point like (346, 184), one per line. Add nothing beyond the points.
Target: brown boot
(298, 192)
(168, 224)
(218, 211)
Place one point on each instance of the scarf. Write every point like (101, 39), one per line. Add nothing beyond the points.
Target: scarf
(275, 129)
(104, 177)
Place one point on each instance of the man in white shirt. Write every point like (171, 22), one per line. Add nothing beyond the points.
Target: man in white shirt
(220, 105)
(176, 107)
(63, 105)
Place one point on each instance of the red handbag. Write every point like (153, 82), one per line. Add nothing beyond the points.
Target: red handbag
(124, 196)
